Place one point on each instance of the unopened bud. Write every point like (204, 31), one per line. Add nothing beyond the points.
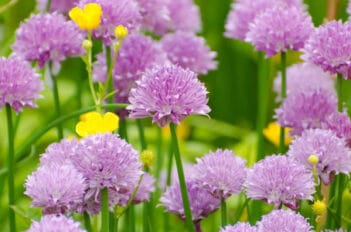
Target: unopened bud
(121, 32)
(87, 44)
(319, 207)
(313, 159)
(147, 157)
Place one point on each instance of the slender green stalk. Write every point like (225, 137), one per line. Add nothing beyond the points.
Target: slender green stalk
(48, 5)
(11, 165)
(159, 156)
(56, 101)
(122, 130)
(104, 210)
(112, 226)
(131, 215)
(168, 183)
(223, 212)
(241, 209)
(141, 135)
(186, 204)
(87, 222)
(283, 95)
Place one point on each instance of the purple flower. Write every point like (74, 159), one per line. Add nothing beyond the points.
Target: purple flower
(283, 221)
(168, 94)
(189, 51)
(330, 48)
(305, 110)
(55, 223)
(57, 188)
(48, 37)
(243, 12)
(106, 161)
(202, 203)
(221, 173)
(334, 156)
(279, 180)
(279, 29)
(145, 189)
(156, 16)
(340, 124)
(59, 153)
(19, 84)
(185, 15)
(62, 6)
(304, 77)
(239, 227)
(115, 12)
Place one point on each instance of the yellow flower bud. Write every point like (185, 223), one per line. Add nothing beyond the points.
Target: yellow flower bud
(87, 44)
(147, 157)
(319, 207)
(313, 159)
(121, 32)
(88, 18)
(272, 133)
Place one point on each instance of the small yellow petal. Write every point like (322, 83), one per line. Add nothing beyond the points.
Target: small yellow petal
(92, 115)
(121, 32)
(272, 133)
(81, 129)
(77, 16)
(319, 207)
(88, 18)
(147, 157)
(110, 121)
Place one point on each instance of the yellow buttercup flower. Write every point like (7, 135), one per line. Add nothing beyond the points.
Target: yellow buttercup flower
(272, 133)
(319, 207)
(88, 18)
(121, 32)
(147, 157)
(94, 122)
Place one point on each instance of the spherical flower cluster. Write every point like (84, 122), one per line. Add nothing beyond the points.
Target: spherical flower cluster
(283, 220)
(145, 189)
(340, 124)
(62, 6)
(168, 94)
(304, 110)
(185, 15)
(59, 153)
(118, 12)
(239, 227)
(55, 39)
(56, 188)
(279, 180)
(279, 29)
(19, 84)
(156, 16)
(189, 51)
(55, 223)
(330, 48)
(304, 77)
(202, 203)
(333, 154)
(221, 173)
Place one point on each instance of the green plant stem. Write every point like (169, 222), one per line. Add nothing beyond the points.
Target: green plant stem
(168, 183)
(283, 96)
(112, 226)
(122, 130)
(11, 165)
(87, 222)
(141, 135)
(88, 64)
(223, 212)
(56, 102)
(159, 156)
(241, 209)
(48, 5)
(104, 210)
(186, 204)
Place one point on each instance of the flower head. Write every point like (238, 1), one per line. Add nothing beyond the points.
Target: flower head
(189, 51)
(185, 15)
(221, 173)
(55, 223)
(56, 188)
(283, 220)
(319, 207)
(19, 84)
(121, 32)
(340, 124)
(168, 94)
(239, 227)
(145, 189)
(54, 40)
(59, 153)
(330, 48)
(279, 180)
(333, 155)
(88, 18)
(279, 29)
(62, 6)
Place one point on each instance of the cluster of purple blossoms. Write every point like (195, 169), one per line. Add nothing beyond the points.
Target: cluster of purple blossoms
(185, 15)
(55, 39)
(189, 52)
(332, 151)
(280, 28)
(54, 223)
(62, 6)
(239, 227)
(279, 180)
(168, 94)
(19, 84)
(220, 173)
(330, 48)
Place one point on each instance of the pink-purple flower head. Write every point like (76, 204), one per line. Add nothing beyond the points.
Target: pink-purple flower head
(57, 188)
(55, 223)
(19, 84)
(283, 221)
(62, 6)
(145, 189)
(304, 77)
(239, 227)
(168, 94)
(280, 28)
(221, 173)
(59, 153)
(189, 51)
(115, 12)
(185, 15)
(333, 154)
(340, 124)
(330, 48)
(279, 180)
(48, 37)
(305, 110)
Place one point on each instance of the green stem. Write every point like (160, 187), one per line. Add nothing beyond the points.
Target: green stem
(122, 130)
(159, 156)
(112, 226)
(186, 204)
(223, 212)
(56, 101)
(88, 63)
(141, 135)
(87, 222)
(283, 95)
(11, 165)
(241, 209)
(168, 183)
(131, 226)
(48, 5)
(104, 210)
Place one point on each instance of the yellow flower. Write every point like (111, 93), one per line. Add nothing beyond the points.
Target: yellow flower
(272, 133)
(88, 18)
(94, 122)
(121, 32)
(313, 159)
(183, 131)
(147, 157)
(319, 207)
